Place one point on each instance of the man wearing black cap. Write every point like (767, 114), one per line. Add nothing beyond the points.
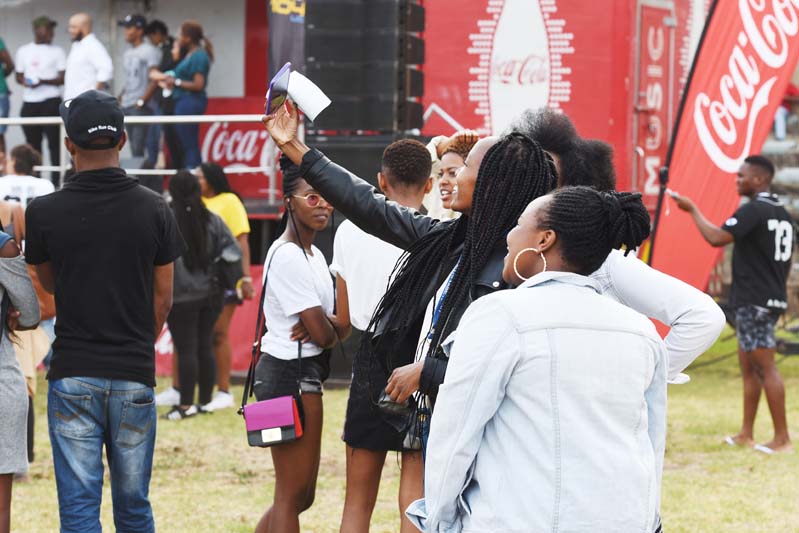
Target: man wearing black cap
(136, 96)
(40, 70)
(105, 246)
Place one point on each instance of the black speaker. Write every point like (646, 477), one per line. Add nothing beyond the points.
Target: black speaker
(366, 54)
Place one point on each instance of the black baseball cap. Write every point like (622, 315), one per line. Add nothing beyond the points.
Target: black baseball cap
(133, 20)
(93, 115)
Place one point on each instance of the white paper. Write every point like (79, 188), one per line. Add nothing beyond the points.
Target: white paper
(307, 95)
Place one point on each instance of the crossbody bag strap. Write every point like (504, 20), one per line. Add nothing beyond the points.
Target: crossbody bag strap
(260, 331)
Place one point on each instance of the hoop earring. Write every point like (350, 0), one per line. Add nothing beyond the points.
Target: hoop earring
(516, 260)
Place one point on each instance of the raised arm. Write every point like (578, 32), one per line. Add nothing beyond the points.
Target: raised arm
(714, 235)
(694, 318)
(359, 201)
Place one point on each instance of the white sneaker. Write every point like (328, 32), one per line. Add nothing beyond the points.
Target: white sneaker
(221, 400)
(169, 397)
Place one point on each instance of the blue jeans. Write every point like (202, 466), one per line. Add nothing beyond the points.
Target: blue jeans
(84, 414)
(152, 145)
(189, 134)
(137, 133)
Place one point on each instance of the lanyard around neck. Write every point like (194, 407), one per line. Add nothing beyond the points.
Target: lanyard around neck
(440, 304)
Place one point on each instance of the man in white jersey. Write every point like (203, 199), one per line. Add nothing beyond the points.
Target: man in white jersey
(363, 265)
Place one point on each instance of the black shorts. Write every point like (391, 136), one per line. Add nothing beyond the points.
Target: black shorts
(278, 377)
(754, 327)
(366, 426)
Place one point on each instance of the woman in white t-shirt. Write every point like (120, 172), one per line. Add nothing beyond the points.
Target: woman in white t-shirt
(298, 308)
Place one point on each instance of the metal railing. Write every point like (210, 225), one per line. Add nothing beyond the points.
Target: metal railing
(148, 119)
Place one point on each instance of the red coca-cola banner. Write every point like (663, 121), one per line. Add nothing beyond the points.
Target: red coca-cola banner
(740, 75)
(244, 145)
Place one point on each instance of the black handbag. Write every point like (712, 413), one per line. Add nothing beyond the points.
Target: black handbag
(228, 269)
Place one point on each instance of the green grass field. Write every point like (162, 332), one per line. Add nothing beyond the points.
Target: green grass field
(205, 478)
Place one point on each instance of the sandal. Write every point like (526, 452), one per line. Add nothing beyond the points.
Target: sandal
(179, 414)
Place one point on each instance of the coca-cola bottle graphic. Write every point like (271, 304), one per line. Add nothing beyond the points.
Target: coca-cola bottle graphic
(520, 62)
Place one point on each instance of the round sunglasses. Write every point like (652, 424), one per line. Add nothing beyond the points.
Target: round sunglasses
(313, 199)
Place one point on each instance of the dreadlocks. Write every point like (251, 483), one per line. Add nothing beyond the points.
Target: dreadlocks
(514, 171)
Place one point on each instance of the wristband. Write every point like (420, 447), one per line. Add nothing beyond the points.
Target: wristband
(242, 281)
(178, 82)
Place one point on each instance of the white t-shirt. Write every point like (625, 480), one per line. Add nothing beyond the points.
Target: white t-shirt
(23, 189)
(40, 62)
(294, 284)
(365, 263)
(88, 64)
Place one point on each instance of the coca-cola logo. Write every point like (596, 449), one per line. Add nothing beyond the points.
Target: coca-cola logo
(238, 146)
(725, 123)
(527, 71)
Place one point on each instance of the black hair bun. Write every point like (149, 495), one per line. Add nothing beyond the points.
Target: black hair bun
(628, 219)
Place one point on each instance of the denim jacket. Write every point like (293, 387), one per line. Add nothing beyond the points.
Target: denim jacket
(552, 416)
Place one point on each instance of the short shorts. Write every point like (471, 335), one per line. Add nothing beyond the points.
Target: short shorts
(278, 377)
(754, 327)
(4, 109)
(365, 425)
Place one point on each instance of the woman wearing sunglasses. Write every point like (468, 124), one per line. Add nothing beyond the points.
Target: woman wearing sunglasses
(298, 306)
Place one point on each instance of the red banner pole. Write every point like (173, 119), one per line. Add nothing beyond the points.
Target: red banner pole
(664, 170)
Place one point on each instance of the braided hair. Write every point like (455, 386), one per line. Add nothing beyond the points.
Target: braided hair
(589, 224)
(291, 177)
(514, 171)
(192, 218)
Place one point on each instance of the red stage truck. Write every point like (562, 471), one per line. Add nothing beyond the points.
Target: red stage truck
(616, 67)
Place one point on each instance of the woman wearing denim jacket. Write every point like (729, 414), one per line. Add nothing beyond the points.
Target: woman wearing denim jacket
(552, 415)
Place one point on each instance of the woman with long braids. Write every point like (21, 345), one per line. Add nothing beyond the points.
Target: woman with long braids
(447, 264)
(298, 305)
(197, 301)
(555, 381)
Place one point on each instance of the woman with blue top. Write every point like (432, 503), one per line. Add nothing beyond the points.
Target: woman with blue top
(15, 290)
(187, 83)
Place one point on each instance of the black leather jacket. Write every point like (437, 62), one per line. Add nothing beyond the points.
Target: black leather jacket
(362, 204)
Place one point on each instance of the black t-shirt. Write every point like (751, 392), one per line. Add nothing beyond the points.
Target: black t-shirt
(761, 259)
(104, 234)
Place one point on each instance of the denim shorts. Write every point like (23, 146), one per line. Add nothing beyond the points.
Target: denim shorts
(279, 377)
(754, 327)
(4, 108)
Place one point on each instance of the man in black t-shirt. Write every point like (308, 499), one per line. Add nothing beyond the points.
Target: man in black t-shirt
(763, 234)
(105, 246)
